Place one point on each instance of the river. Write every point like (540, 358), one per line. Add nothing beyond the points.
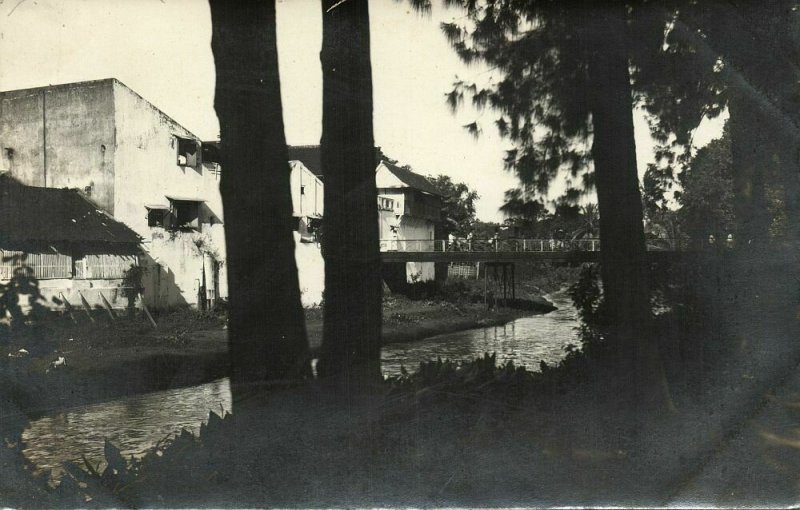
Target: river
(133, 424)
(525, 341)
(137, 423)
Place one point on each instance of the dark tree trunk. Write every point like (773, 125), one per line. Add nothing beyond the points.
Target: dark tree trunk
(749, 154)
(266, 324)
(763, 103)
(624, 268)
(789, 160)
(352, 310)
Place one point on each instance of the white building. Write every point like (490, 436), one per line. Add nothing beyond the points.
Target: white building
(409, 209)
(308, 196)
(136, 164)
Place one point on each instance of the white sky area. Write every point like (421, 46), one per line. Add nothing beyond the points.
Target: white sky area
(161, 49)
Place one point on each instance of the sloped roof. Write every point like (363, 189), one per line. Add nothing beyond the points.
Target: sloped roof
(309, 155)
(411, 179)
(55, 215)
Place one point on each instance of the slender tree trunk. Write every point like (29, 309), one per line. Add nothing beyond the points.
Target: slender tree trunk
(266, 324)
(352, 310)
(624, 267)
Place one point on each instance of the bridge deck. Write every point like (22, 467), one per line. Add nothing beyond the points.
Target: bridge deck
(506, 250)
(574, 256)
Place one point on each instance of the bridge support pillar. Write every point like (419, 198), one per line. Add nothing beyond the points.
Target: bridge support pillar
(504, 281)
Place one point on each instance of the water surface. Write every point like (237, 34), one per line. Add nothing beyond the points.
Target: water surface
(134, 424)
(525, 341)
(137, 423)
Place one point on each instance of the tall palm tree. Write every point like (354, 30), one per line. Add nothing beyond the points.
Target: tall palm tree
(591, 222)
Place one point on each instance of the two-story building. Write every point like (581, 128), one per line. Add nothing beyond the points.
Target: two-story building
(409, 207)
(134, 163)
(142, 168)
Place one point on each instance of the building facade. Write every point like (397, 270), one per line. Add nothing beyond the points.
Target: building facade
(409, 208)
(308, 197)
(134, 163)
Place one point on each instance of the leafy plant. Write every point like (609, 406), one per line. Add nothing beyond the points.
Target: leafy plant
(587, 296)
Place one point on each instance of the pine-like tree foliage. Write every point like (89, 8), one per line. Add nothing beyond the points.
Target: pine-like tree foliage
(566, 96)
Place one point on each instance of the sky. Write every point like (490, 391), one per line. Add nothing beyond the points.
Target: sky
(161, 49)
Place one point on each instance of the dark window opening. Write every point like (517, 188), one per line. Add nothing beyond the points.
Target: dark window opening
(187, 152)
(186, 213)
(157, 218)
(302, 190)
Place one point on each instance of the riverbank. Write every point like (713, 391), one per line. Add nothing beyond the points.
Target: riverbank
(481, 435)
(83, 363)
(406, 320)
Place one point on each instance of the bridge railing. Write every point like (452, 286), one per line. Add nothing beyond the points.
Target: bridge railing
(413, 245)
(489, 245)
(515, 245)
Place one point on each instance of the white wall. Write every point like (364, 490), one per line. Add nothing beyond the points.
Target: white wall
(309, 204)
(55, 290)
(418, 229)
(146, 173)
(415, 228)
(409, 227)
(420, 271)
(311, 271)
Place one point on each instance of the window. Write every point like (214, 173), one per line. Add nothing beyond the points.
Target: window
(187, 152)
(385, 204)
(181, 213)
(186, 214)
(157, 218)
(158, 215)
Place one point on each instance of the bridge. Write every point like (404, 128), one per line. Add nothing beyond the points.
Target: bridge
(510, 250)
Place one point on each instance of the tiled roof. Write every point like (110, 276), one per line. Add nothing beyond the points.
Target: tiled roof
(411, 179)
(54, 215)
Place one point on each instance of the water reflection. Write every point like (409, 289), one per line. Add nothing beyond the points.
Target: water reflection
(134, 424)
(526, 341)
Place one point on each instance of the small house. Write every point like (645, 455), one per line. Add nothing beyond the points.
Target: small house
(75, 253)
